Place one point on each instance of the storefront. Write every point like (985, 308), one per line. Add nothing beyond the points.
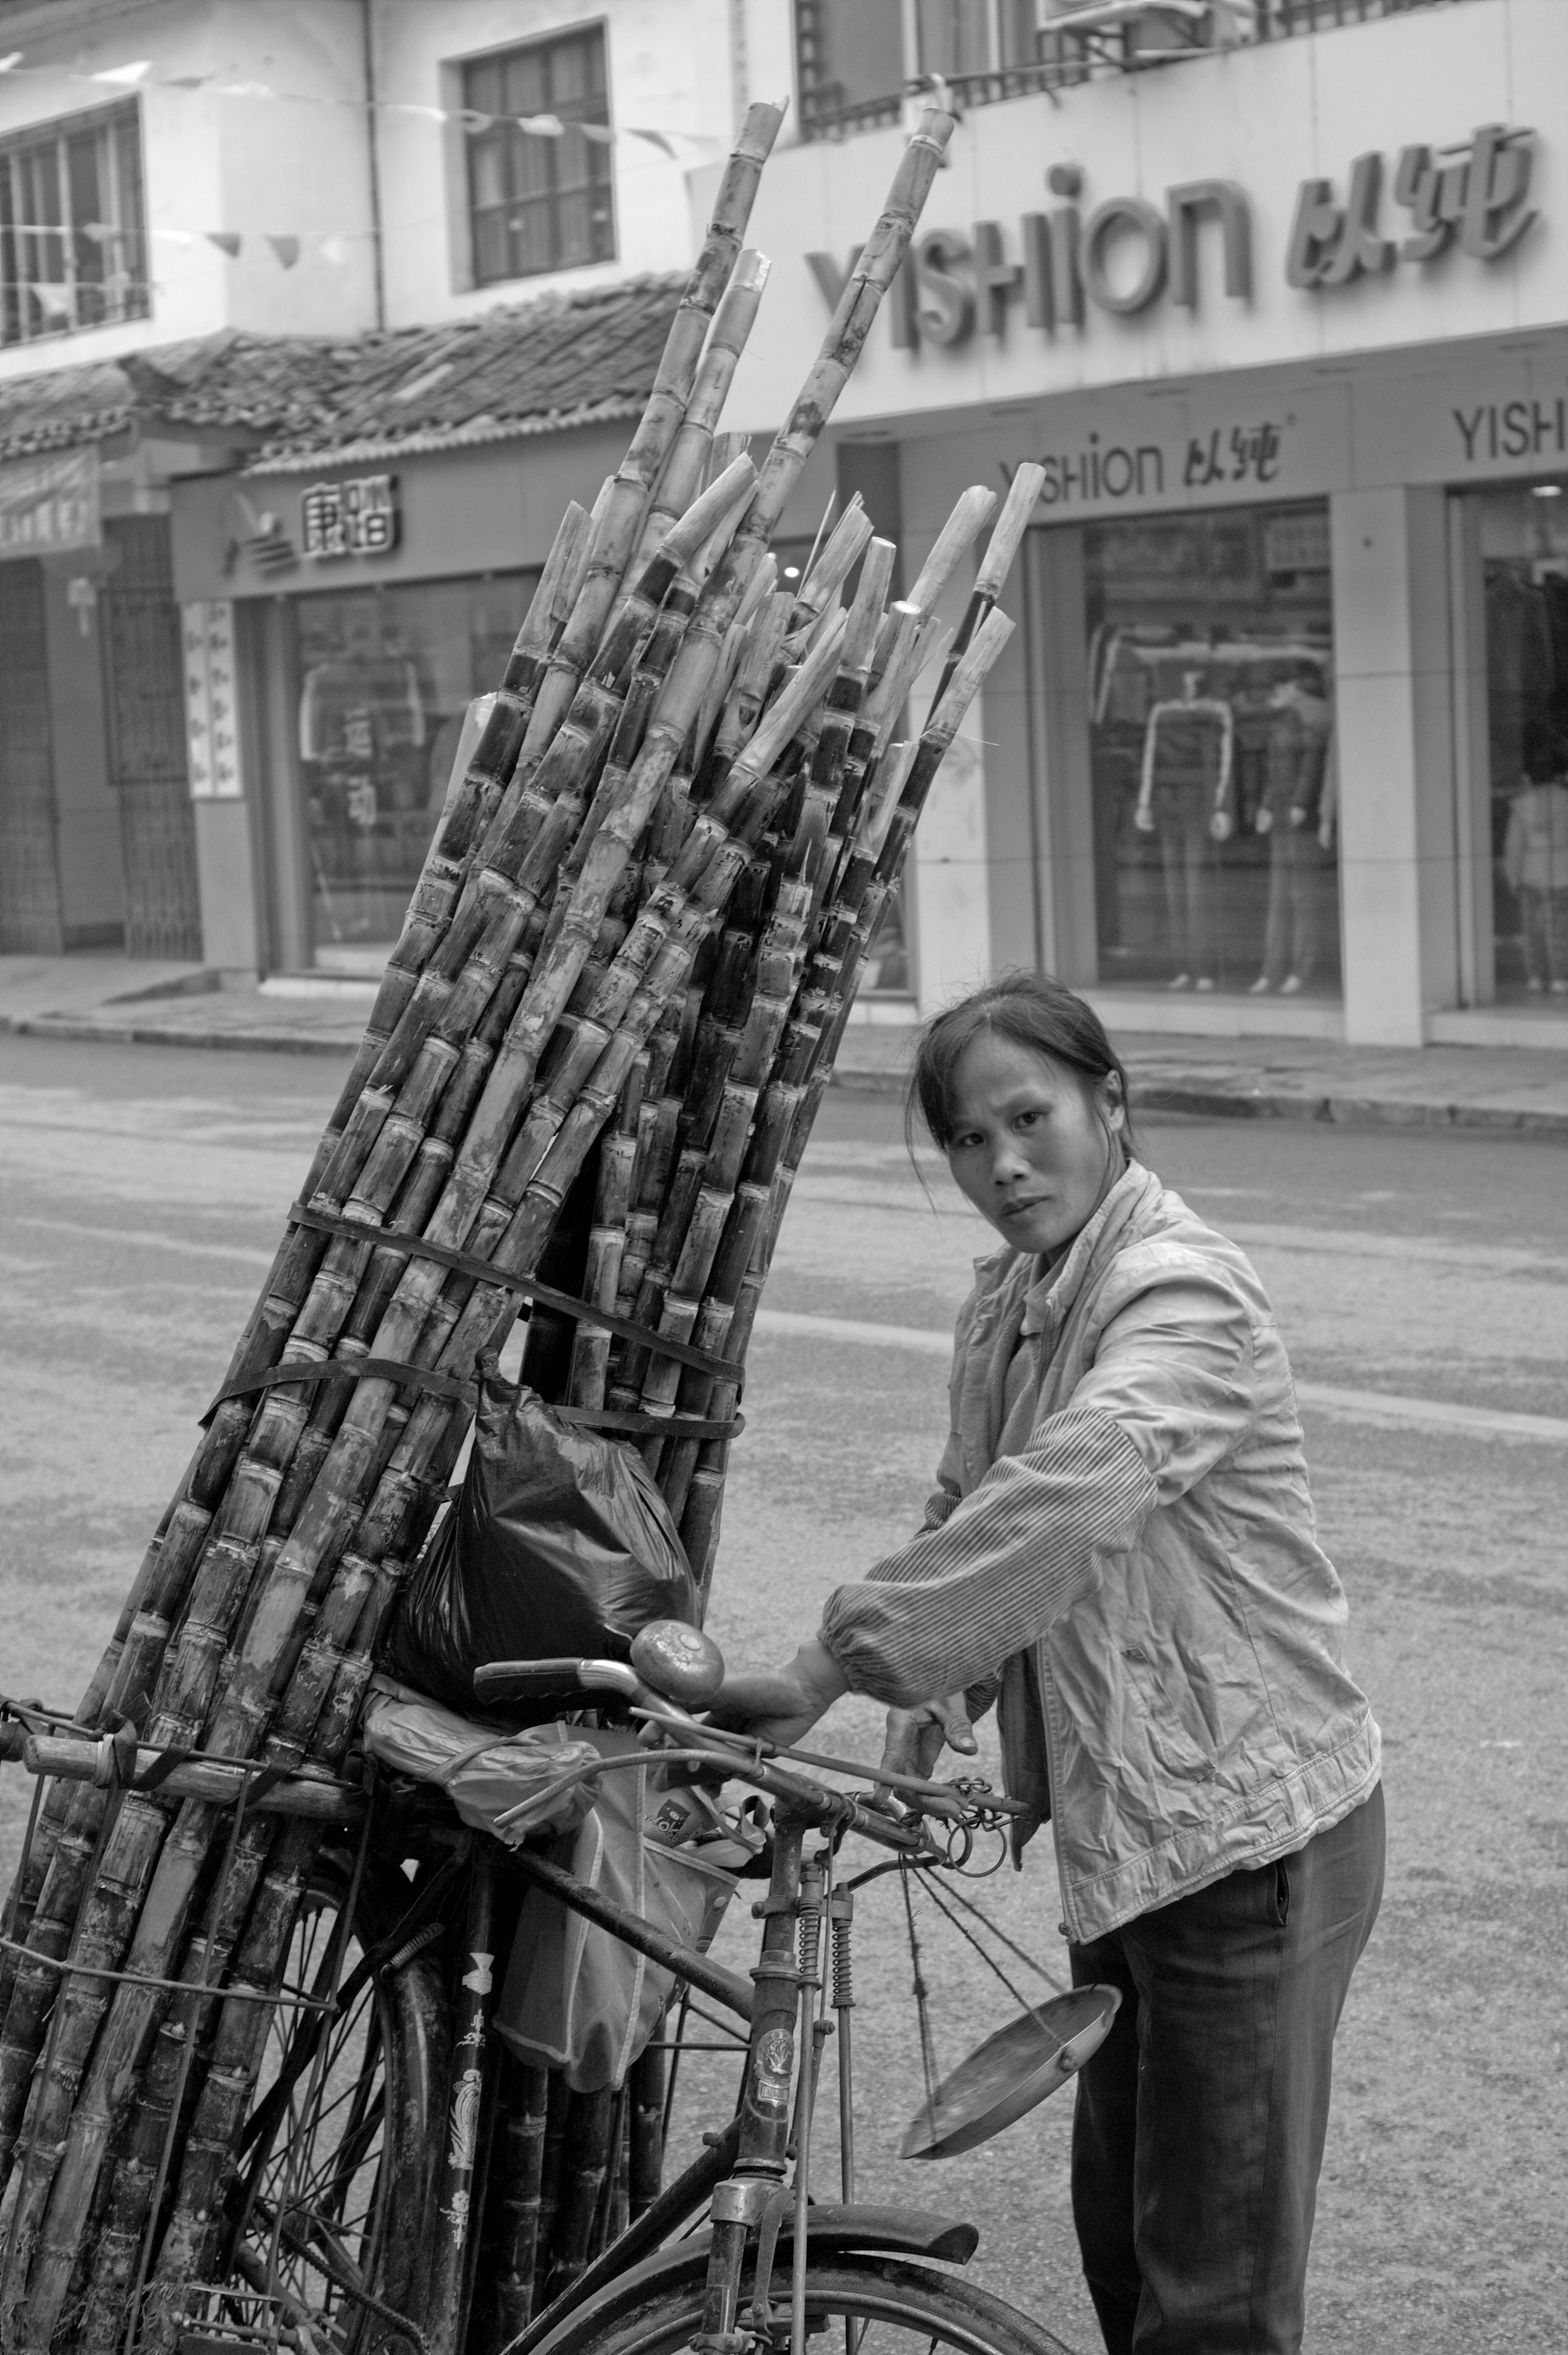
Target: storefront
(1282, 741)
(341, 614)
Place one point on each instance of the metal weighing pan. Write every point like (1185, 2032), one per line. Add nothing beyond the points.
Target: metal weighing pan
(1012, 2071)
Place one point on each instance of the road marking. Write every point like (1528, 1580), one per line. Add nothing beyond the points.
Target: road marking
(1326, 1398)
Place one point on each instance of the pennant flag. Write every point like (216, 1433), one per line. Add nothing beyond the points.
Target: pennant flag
(185, 81)
(226, 240)
(123, 76)
(180, 236)
(599, 132)
(54, 301)
(472, 120)
(336, 251)
(287, 250)
(9, 64)
(655, 139)
(541, 126)
(406, 106)
(246, 90)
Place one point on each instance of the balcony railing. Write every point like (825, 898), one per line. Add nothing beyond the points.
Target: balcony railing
(1114, 37)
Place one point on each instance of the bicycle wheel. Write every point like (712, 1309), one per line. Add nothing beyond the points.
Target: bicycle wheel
(345, 2137)
(898, 2308)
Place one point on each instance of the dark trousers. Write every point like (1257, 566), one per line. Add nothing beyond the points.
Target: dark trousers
(1198, 2129)
(1294, 862)
(1190, 860)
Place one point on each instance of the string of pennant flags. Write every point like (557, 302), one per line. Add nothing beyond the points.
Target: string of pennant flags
(139, 75)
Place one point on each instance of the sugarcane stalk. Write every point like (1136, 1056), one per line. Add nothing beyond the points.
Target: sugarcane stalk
(524, 2097)
(294, 1507)
(693, 443)
(1023, 495)
(616, 535)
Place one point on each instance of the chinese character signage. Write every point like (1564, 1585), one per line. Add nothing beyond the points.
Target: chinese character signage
(1475, 195)
(359, 518)
(49, 505)
(212, 736)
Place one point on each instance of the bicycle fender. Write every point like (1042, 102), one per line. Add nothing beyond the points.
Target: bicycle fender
(831, 2229)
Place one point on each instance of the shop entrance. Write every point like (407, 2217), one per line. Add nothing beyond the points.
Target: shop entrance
(385, 677)
(1524, 558)
(30, 921)
(144, 699)
(1213, 774)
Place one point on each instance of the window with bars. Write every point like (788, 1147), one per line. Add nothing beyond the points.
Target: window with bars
(539, 191)
(73, 237)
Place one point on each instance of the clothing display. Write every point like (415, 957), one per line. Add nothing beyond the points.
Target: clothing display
(1188, 764)
(1291, 814)
(1189, 649)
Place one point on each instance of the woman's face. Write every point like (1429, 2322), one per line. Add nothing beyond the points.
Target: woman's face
(1030, 1145)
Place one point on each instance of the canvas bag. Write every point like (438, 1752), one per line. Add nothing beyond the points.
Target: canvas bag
(575, 1997)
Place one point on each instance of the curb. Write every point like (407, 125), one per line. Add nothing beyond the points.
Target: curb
(138, 1034)
(1196, 1100)
(1204, 1100)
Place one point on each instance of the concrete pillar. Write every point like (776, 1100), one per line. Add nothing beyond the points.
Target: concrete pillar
(1063, 781)
(1394, 714)
(227, 879)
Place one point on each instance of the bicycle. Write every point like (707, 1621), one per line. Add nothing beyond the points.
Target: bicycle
(378, 2201)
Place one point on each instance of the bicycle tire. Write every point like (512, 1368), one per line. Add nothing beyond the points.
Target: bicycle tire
(352, 2159)
(899, 2304)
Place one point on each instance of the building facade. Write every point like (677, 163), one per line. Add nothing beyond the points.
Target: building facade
(1285, 320)
(1274, 291)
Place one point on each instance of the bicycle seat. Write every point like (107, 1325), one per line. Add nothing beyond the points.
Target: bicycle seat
(669, 1662)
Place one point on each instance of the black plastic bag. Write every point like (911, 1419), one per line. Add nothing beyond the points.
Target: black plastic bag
(560, 1545)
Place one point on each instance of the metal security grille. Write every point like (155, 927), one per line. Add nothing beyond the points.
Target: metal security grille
(147, 742)
(73, 246)
(856, 60)
(539, 189)
(29, 871)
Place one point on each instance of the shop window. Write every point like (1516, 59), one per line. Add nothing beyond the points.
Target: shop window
(1212, 764)
(1524, 551)
(73, 242)
(855, 58)
(539, 193)
(386, 678)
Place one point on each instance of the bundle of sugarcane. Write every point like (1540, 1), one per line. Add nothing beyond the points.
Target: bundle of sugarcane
(585, 1087)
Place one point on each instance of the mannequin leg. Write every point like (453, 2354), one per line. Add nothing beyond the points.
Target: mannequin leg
(1202, 926)
(1277, 931)
(1171, 864)
(1534, 923)
(1304, 898)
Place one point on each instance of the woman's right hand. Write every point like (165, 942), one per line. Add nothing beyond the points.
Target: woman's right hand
(916, 1737)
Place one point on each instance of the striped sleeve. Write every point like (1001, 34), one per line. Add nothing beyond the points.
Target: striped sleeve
(1008, 1559)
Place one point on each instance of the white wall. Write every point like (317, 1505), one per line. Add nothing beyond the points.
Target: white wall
(669, 71)
(221, 155)
(1267, 117)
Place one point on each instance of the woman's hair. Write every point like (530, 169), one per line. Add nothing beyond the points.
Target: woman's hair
(1033, 1011)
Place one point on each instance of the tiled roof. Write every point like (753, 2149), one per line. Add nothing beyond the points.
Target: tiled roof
(524, 368)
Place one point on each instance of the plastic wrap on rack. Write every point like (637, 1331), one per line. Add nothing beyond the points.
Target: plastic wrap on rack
(483, 1773)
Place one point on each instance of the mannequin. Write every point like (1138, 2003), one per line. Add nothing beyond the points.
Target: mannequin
(1297, 815)
(1185, 796)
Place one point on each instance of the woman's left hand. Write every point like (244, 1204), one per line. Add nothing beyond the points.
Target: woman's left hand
(781, 1704)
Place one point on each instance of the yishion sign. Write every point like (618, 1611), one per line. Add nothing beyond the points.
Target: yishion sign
(1125, 254)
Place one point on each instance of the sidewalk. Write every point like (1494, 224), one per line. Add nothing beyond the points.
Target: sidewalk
(1513, 1090)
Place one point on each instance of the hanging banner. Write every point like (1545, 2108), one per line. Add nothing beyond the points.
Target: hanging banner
(49, 505)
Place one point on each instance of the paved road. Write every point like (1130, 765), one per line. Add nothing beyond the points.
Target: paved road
(139, 1193)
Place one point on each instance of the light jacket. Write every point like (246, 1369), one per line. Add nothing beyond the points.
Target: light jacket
(1124, 1540)
(1535, 851)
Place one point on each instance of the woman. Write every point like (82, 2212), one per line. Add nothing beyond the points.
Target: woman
(1122, 1551)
